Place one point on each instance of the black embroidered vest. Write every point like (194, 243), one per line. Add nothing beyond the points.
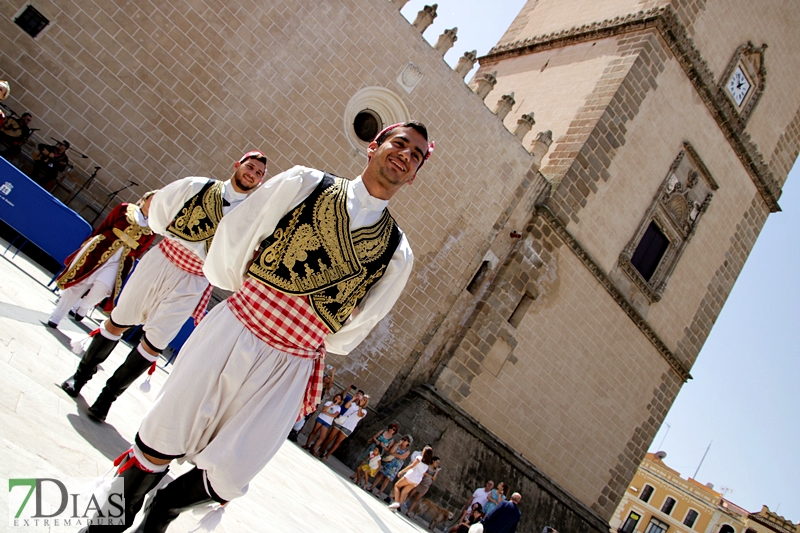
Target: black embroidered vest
(312, 252)
(198, 218)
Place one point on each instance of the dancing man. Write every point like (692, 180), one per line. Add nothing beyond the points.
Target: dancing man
(329, 263)
(104, 260)
(168, 285)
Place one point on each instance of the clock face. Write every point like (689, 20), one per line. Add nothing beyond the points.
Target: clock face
(738, 86)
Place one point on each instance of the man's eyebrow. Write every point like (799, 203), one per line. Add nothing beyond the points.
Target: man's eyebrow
(407, 140)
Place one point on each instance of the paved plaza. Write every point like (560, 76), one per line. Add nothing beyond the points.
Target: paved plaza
(45, 433)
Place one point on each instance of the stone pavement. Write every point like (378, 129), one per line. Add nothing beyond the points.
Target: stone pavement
(45, 433)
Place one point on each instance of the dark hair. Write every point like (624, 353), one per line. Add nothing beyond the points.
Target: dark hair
(480, 507)
(341, 398)
(435, 458)
(427, 455)
(415, 125)
(361, 391)
(26, 114)
(394, 426)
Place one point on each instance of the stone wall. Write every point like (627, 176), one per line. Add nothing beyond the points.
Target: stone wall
(470, 456)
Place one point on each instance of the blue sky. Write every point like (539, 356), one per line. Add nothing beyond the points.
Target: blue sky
(745, 395)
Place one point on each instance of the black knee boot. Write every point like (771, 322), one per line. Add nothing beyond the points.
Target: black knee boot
(97, 352)
(182, 494)
(134, 366)
(137, 483)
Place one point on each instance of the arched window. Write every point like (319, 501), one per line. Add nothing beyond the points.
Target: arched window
(691, 518)
(727, 528)
(647, 491)
(669, 504)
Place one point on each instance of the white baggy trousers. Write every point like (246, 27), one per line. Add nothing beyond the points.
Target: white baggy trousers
(159, 295)
(229, 403)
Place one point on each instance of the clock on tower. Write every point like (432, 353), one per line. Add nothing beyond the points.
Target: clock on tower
(738, 86)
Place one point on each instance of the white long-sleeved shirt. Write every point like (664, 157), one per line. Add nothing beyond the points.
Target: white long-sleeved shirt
(240, 234)
(169, 200)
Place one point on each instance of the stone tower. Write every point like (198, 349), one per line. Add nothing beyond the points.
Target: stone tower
(593, 196)
(674, 125)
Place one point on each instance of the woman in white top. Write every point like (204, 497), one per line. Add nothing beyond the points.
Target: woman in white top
(343, 428)
(412, 475)
(325, 418)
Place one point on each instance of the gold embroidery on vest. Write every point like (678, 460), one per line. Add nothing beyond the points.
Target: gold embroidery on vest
(329, 230)
(73, 270)
(187, 224)
(370, 244)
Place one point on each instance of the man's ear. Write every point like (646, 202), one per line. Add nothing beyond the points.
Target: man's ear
(409, 182)
(371, 149)
(236, 165)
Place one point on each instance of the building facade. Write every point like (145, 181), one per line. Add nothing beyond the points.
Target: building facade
(574, 241)
(659, 500)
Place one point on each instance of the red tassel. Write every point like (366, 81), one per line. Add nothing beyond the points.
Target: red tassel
(119, 459)
(95, 332)
(151, 369)
(128, 464)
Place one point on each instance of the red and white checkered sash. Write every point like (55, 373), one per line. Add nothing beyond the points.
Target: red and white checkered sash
(186, 260)
(286, 323)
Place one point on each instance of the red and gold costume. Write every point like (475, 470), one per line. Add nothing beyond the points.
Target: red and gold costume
(120, 231)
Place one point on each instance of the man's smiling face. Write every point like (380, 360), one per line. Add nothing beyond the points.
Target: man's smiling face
(394, 162)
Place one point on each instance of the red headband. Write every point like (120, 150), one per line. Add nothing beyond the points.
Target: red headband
(255, 154)
(387, 129)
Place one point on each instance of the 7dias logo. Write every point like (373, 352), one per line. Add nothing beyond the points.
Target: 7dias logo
(70, 502)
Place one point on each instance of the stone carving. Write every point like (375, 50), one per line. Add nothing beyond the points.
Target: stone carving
(465, 63)
(446, 41)
(504, 105)
(485, 84)
(524, 125)
(410, 77)
(425, 18)
(676, 211)
(540, 146)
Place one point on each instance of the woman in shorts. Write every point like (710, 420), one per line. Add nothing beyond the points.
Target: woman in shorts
(344, 427)
(329, 411)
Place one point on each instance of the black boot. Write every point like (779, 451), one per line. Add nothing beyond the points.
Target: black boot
(182, 494)
(137, 483)
(134, 366)
(97, 352)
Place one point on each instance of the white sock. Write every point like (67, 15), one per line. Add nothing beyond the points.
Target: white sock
(144, 353)
(104, 332)
(147, 464)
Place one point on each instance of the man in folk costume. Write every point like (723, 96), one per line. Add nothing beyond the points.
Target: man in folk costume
(168, 285)
(104, 260)
(329, 263)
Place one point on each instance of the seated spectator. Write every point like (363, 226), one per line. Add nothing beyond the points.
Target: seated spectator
(329, 412)
(382, 440)
(368, 468)
(481, 496)
(49, 162)
(411, 477)
(14, 133)
(474, 515)
(497, 496)
(392, 463)
(421, 490)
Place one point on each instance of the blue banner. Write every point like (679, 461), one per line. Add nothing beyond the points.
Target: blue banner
(38, 216)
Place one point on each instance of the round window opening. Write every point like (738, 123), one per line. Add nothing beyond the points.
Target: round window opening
(367, 124)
